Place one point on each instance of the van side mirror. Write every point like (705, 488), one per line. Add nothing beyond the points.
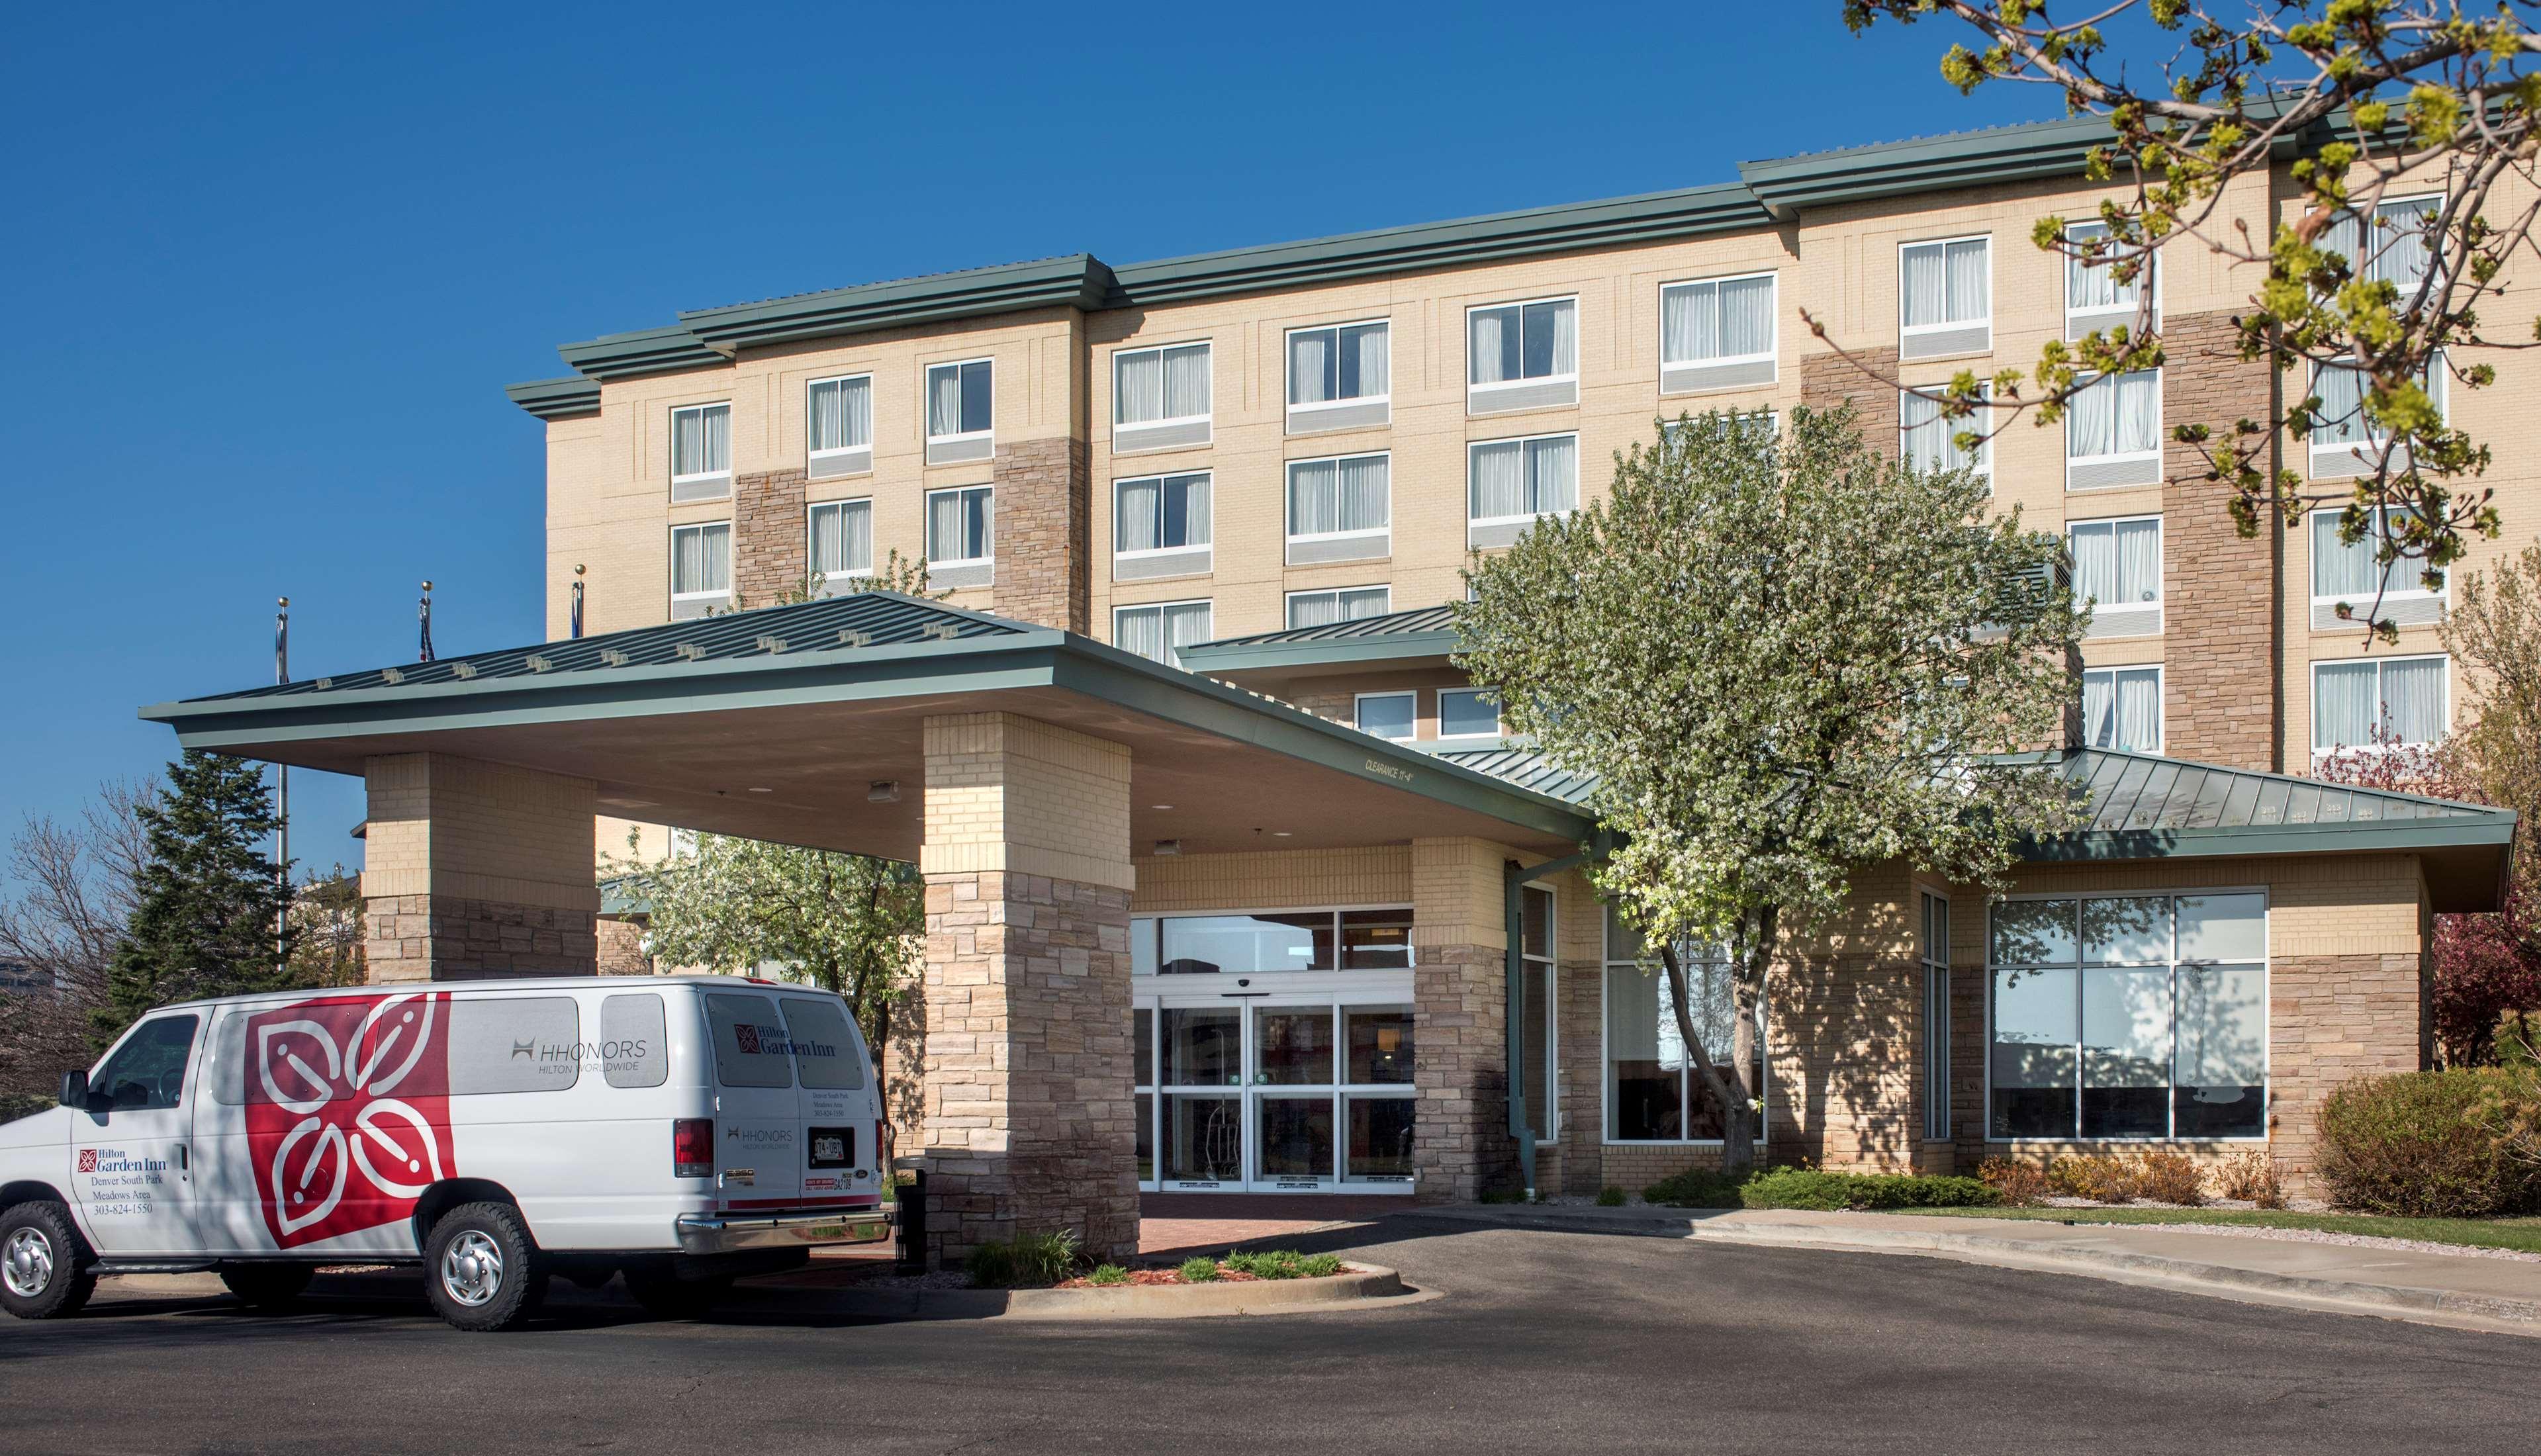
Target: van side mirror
(75, 1090)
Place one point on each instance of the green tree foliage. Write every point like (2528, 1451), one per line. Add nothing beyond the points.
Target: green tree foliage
(1784, 660)
(206, 901)
(2379, 99)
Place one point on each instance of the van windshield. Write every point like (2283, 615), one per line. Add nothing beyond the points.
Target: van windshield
(749, 1041)
(825, 1043)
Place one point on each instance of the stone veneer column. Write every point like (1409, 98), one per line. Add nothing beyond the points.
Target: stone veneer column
(1461, 1145)
(1045, 540)
(1828, 379)
(1029, 1124)
(770, 536)
(2220, 691)
(474, 870)
(2332, 1019)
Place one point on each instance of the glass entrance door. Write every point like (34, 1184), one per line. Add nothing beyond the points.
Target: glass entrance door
(1291, 1090)
(1239, 1095)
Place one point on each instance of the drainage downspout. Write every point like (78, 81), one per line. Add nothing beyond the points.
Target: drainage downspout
(1513, 882)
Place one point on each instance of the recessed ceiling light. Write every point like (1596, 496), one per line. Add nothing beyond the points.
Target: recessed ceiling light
(1160, 806)
(762, 790)
(1279, 833)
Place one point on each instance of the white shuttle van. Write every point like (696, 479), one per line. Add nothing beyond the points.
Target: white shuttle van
(683, 1131)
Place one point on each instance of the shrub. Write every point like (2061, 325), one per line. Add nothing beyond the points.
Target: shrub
(1321, 1265)
(2510, 1109)
(2414, 1146)
(1276, 1264)
(1610, 1197)
(2249, 1173)
(1034, 1259)
(2168, 1177)
(1811, 1188)
(991, 1266)
(2015, 1184)
(1108, 1274)
(1695, 1188)
(1200, 1268)
(2102, 1180)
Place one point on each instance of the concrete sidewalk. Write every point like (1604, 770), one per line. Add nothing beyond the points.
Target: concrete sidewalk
(2464, 1290)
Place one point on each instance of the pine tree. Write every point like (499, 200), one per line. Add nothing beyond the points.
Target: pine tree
(204, 922)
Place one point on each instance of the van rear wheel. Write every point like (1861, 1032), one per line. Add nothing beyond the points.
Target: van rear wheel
(43, 1267)
(482, 1268)
(668, 1297)
(268, 1286)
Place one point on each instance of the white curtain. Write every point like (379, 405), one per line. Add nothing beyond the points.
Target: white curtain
(2115, 414)
(1559, 353)
(944, 527)
(1185, 381)
(2344, 698)
(1194, 499)
(2095, 562)
(1139, 629)
(842, 413)
(1689, 324)
(2122, 709)
(842, 537)
(1552, 474)
(1492, 345)
(1926, 286)
(944, 399)
(2413, 699)
(1314, 505)
(1498, 481)
(1369, 346)
(1967, 268)
(2095, 285)
(701, 441)
(1365, 602)
(2341, 388)
(2342, 570)
(2138, 561)
(1183, 625)
(1931, 441)
(1314, 608)
(1746, 317)
(1140, 393)
(1140, 504)
(2345, 236)
(701, 559)
(2400, 239)
(1364, 503)
(1309, 367)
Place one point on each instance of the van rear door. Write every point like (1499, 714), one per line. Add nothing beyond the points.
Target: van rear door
(758, 1122)
(841, 1162)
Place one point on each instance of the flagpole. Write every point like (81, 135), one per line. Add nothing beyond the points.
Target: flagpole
(282, 791)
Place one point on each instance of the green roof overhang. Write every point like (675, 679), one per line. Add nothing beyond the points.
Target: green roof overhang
(1390, 650)
(1078, 281)
(556, 398)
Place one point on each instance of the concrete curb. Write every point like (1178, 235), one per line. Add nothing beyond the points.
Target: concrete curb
(1360, 1285)
(2403, 1300)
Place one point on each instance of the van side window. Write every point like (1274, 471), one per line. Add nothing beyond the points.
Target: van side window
(514, 1043)
(634, 1050)
(149, 1070)
(825, 1045)
(749, 1041)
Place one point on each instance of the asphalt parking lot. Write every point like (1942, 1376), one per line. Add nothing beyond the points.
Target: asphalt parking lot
(1541, 1342)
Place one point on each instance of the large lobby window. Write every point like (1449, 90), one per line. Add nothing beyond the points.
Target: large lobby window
(2116, 1017)
(1162, 631)
(1291, 940)
(1652, 1092)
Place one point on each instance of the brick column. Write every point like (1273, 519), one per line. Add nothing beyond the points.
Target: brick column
(770, 536)
(1461, 1145)
(474, 870)
(1044, 526)
(1029, 1124)
(2218, 587)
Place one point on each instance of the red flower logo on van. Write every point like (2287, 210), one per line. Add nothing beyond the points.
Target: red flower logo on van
(347, 1111)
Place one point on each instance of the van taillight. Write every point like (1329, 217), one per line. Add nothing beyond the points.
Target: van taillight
(692, 1147)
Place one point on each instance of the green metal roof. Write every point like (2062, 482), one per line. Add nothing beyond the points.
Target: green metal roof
(1520, 764)
(668, 349)
(2141, 807)
(1079, 281)
(1396, 636)
(558, 399)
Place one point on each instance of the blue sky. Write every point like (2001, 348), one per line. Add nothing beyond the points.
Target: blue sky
(269, 268)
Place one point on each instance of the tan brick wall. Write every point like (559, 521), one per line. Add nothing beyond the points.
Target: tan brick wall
(770, 536)
(1006, 792)
(2217, 586)
(1044, 514)
(476, 868)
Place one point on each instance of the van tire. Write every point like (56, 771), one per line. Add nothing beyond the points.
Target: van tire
(666, 1296)
(268, 1286)
(481, 1269)
(44, 1267)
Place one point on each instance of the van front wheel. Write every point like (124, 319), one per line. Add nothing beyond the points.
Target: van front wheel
(44, 1268)
(481, 1269)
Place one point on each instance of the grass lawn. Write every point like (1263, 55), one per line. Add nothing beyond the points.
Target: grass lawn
(2487, 1233)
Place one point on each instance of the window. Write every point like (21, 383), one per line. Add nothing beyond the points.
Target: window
(1340, 509)
(1510, 482)
(2344, 440)
(148, 1071)
(1347, 603)
(1717, 333)
(824, 1043)
(1652, 1092)
(2122, 709)
(961, 411)
(700, 568)
(1944, 297)
(839, 427)
(961, 526)
(2113, 431)
(1522, 355)
(1931, 438)
(1538, 1021)
(634, 1049)
(2379, 703)
(1468, 712)
(1934, 948)
(842, 544)
(1394, 715)
(2094, 298)
(1339, 377)
(2349, 575)
(514, 1043)
(2117, 567)
(1160, 397)
(1160, 526)
(1378, 939)
(701, 451)
(2129, 1017)
(2396, 250)
(750, 1043)
(1162, 631)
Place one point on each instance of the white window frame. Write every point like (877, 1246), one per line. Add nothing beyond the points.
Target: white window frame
(814, 509)
(1478, 393)
(1358, 712)
(1981, 423)
(928, 502)
(1288, 601)
(2346, 459)
(1938, 1000)
(1547, 1062)
(1687, 1080)
(2159, 605)
(1499, 725)
(702, 478)
(816, 456)
(927, 394)
(2078, 322)
(1168, 421)
(672, 574)
(1772, 343)
(1906, 332)
(1305, 413)
(1521, 442)
(2161, 696)
(2444, 715)
(2268, 967)
(1125, 553)
(1169, 658)
(2414, 591)
(2122, 457)
(1289, 499)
